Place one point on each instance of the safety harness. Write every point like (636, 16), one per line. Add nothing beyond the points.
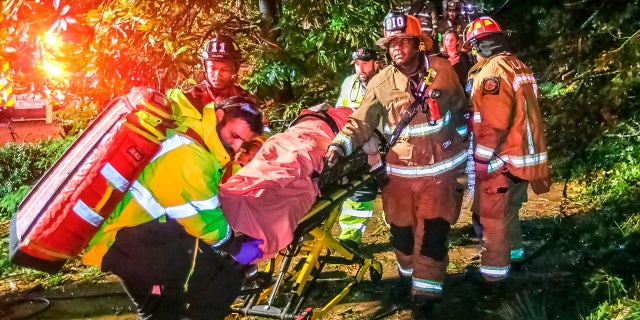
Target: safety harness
(431, 110)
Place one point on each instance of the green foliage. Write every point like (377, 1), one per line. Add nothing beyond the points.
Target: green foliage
(603, 312)
(623, 309)
(523, 309)
(630, 225)
(22, 165)
(10, 202)
(313, 52)
(76, 117)
(610, 168)
(282, 115)
(605, 286)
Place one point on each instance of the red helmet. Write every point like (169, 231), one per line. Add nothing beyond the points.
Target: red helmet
(480, 28)
(221, 48)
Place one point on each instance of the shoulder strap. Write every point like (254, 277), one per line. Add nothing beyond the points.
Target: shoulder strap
(418, 96)
(322, 115)
(197, 138)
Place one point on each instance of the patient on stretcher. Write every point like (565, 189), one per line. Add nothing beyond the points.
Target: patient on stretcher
(267, 197)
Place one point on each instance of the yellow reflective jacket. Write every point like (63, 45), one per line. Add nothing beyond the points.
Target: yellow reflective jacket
(351, 92)
(181, 183)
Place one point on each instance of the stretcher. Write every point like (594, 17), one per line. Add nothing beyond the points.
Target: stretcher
(280, 290)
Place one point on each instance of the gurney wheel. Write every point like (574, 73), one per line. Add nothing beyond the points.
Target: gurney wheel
(375, 271)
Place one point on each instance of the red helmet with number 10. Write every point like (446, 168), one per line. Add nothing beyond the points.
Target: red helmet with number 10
(480, 28)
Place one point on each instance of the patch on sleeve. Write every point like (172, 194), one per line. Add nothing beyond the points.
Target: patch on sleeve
(491, 85)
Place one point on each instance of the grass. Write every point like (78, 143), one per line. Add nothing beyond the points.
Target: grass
(524, 308)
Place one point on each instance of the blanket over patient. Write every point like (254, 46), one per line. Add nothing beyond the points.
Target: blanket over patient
(266, 198)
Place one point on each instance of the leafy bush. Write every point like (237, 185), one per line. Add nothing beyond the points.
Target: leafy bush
(10, 202)
(76, 116)
(23, 165)
(604, 285)
(611, 166)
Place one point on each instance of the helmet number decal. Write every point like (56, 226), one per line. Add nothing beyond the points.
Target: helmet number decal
(395, 23)
(219, 47)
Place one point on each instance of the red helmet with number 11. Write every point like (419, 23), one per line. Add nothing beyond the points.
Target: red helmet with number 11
(480, 28)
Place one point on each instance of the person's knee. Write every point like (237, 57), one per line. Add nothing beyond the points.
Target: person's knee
(402, 239)
(434, 240)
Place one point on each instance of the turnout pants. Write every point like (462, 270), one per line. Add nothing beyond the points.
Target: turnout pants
(497, 202)
(170, 274)
(420, 212)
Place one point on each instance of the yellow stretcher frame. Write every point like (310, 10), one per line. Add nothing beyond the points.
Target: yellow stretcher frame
(315, 244)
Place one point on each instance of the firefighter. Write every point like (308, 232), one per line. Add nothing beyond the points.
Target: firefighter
(168, 240)
(509, 149)
(422, 197)
(453, 20)
(221, 59)
(358, 209)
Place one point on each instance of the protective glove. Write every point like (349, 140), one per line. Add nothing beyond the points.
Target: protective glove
(249, 251)
(371, 146)
(334, 154)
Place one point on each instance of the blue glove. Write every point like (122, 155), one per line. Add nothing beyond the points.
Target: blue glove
(249, 251)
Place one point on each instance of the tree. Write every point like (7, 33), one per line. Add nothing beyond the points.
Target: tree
(109, 46)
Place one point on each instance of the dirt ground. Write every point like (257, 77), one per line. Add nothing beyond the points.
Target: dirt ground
(532, 293)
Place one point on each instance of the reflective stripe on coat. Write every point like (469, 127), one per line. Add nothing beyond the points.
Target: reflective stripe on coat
(423, 149)
(180, 183)
(507, 121)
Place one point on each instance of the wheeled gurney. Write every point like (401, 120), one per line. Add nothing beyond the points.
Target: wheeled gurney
(280, 291)
(288, 198)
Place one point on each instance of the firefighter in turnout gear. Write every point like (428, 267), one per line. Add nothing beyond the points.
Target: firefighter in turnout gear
(168, 240)
(509, 149)
(221, 58)
(358, 209)
(423, 196)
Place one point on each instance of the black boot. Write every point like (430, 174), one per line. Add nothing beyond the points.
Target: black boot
(422, 307)
(493, 287)
(401, 291)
